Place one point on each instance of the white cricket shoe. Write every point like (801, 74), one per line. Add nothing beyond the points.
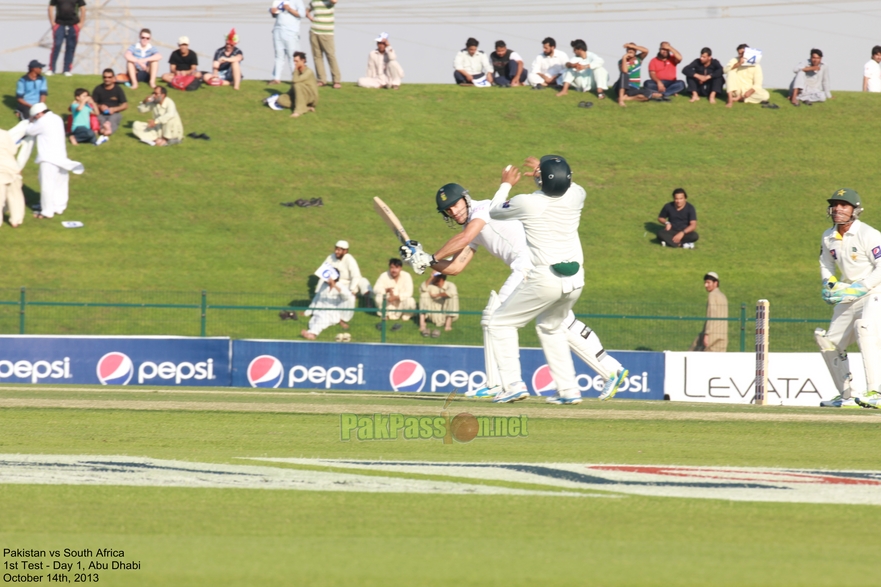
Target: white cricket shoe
(48, 73)
(516, 393)
(872, 399)
(484, 391)
(271, 101)
(611, 386)
(563, 401)
(839, 402)
(101, 140)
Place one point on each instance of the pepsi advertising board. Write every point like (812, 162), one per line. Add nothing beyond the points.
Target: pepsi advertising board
(115, 360)
(390, 367)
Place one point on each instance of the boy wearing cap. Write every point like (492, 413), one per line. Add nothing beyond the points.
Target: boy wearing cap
(31, 89)
(227, 64)
(714, 337)
(182, 62)
(334, 299)
(383, 69)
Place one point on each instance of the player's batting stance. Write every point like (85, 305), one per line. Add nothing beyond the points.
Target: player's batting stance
(505, 240)
(855, 249)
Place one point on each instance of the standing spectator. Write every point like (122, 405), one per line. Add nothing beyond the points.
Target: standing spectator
(872, 71)
(549, 66)
(66, 25)
(303, 96)
(394, 288)
(680, 222)
(142, 60)
(383, 69)
(31, 89)
(507, 66)
(285, 33)
(111, 101)
(166, 127)
(441, 298)
(335, 297)
(320, 12)
(811, 83)
(11, 195)
(472, 67)
(703, 77)
(81, 112)
(48, 129)
(662, 70)
(714, 337)
(585, 71)
(744, 81)
(629, 85)
(182, 62)
(227, 65)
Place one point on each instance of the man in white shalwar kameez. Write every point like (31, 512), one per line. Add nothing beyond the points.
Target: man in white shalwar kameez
(11, 196)
(335, 297)
(48, 129)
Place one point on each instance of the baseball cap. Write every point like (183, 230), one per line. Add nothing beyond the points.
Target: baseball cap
(711, 275)
(342, 244)
(37, 108)
(34, 64)
(383, 37)
(845, 195)
(183, 40)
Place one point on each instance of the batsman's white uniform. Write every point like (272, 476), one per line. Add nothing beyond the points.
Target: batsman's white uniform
(857, 255)
(55, 167)
(331, 305)
(506, 241)
(551, 227)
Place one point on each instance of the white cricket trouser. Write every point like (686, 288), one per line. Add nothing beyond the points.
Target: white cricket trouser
(843, 332)
(54, 182)
(541, 297)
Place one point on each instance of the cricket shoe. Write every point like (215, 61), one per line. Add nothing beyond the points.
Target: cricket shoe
(517, 393)
(872, 399)
(839, 402)
(611, 386)
(563, 401)
(484, 391)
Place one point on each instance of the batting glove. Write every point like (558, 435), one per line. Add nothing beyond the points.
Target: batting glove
(420, 261)
(409, 249)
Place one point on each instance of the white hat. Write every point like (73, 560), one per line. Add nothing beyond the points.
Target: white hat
(183, 41)
(382, 38)
(37, 108)
(711, 275)
(342, 244)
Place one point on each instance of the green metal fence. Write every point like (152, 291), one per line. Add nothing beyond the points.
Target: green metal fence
(620, 325)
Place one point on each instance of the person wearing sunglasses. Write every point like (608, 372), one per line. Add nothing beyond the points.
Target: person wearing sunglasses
(111, 101)
(142, 61)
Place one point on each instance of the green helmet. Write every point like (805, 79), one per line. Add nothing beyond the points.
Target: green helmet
(555, 175)
(848, 196)
(449, 195)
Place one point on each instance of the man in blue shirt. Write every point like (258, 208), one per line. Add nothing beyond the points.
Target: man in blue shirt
(31, 89)
(285, 34)
(142, 60)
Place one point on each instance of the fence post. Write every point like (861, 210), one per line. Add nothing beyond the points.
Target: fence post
(382, 316)
(22, 302)
(743, 328)
(204, 311)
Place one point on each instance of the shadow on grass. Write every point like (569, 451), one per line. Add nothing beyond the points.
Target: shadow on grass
(653, 227)
(31, 197)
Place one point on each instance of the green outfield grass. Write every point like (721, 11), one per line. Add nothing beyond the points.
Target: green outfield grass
(247, 537)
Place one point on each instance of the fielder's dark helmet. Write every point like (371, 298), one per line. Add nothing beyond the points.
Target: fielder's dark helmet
(555, 175)
(449, 195)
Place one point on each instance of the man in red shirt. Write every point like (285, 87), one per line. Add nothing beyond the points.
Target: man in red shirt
(662, 70)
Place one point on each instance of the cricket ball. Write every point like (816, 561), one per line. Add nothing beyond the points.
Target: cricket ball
(464, 427)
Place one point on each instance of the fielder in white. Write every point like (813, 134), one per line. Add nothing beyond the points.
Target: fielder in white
(854, 248)
(48, 129)
(505, 240)
(335, 297)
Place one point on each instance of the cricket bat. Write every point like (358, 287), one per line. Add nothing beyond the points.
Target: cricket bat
(391, 220)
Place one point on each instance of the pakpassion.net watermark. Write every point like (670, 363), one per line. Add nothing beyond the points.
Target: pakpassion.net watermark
(462, 427)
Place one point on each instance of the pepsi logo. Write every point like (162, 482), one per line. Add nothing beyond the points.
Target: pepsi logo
(543, 381)
(407, 375)
(265, 371)
(115, 368)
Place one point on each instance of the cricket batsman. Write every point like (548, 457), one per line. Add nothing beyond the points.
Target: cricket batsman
(505, 240)
(854, 248)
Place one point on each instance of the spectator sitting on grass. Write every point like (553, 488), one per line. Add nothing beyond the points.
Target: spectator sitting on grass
(81, 112)
(166, 127)
(662, 70)
(441, 298)
(227, 65)
(549, 66)
(585, 71)
(383, 69)
(182, 62)
(31, 89)
(303, 96)
(507, 66)
(703, 76)
(680, 222)
(472, 67)
(335, 297)
(110, 100)
(629, 85)
(744, 81)
(396, 287)
(142, 61)
(811, 83)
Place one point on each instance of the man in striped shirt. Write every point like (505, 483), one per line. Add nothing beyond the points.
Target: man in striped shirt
(320, 12)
